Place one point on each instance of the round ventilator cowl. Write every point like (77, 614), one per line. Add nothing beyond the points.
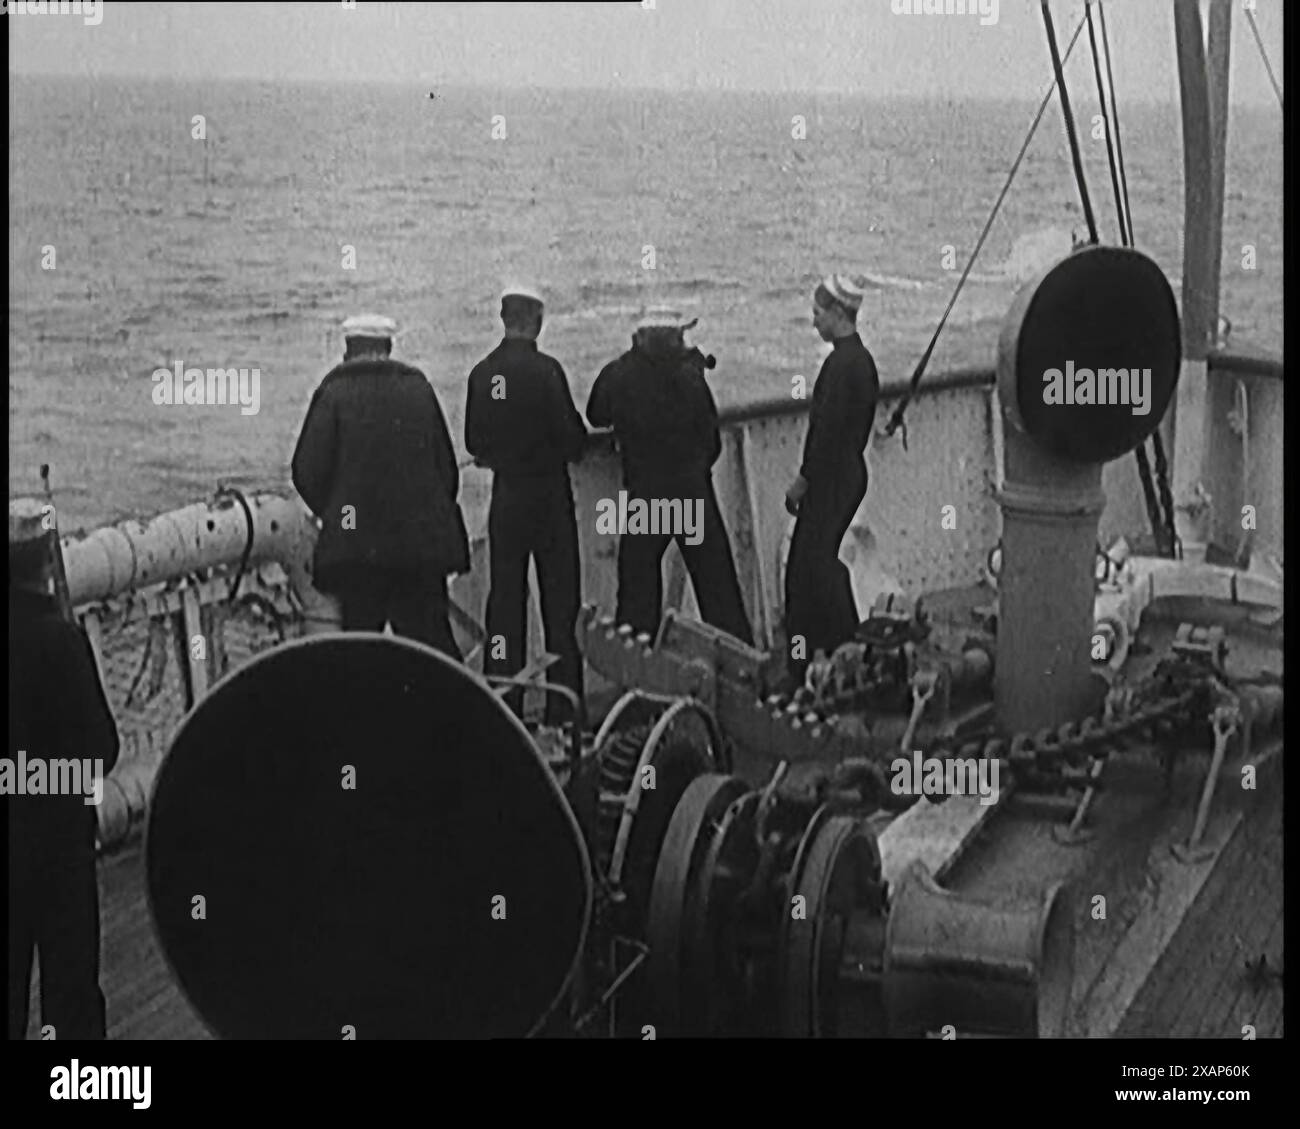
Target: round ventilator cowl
(1089, 352)
(352, 836)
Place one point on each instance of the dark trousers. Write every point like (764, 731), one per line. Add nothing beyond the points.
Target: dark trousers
(416, 606)
(532, 518)
(819, 603)
(54, 910)
(710, 565)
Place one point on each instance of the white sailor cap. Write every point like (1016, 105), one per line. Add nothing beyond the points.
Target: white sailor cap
(27, 520)
(519, 290)
(664, 317)
(846, 289)
(370, 325)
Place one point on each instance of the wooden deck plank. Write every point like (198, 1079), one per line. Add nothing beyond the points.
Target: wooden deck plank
(1196, 984)
(1199, 949)
(1268, 1012)
(1172, 889)
(1263, 938)
(1210, 963)
(1254, 997)
(1245, 929)
(1132, 825)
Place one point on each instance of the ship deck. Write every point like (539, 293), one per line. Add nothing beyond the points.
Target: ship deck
(1172, 958)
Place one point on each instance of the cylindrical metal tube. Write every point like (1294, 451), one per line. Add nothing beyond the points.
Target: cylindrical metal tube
(1050, 511)
(134, 555)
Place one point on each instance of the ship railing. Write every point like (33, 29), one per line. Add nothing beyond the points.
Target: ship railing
(1243, 468)
(175, 604)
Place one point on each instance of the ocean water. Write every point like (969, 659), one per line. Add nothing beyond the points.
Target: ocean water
(233, 253)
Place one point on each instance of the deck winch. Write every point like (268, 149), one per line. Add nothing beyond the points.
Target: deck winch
(352, 834)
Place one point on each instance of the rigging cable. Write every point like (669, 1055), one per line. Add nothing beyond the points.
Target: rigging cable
(1124, 237)
(1119, 137)
(1250, 17)
(896, 419)
(1075, 156)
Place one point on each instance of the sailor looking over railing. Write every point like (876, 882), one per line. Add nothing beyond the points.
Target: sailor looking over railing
(521, 422)
(375, 463)
(664, 418)
(832, 479)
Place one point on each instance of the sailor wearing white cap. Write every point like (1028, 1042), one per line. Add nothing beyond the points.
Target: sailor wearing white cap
(368, 335)
(31, 532)
(57, 712)
(664, 317)
(521, 422)
(832, 479)
(370, 325)
(664, 417)
(843, 290)
(375, 464)
(28, 521)
(520, 290)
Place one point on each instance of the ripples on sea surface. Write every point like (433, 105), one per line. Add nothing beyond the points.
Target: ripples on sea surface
(156, 265)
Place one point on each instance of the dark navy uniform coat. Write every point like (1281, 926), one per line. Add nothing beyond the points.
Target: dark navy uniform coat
(57, 710)
(375, 439)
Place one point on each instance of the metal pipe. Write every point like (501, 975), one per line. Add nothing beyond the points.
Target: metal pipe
(132, 555)
(1046, 605)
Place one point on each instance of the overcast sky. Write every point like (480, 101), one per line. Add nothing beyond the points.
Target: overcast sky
(852, 46)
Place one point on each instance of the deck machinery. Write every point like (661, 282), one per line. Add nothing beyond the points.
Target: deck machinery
(353, 835)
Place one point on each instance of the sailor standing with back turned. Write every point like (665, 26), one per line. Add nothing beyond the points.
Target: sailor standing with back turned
(664, 417)
(832, 481)
(375, 463)
(521, 422)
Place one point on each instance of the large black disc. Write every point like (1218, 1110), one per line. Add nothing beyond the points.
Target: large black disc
(1102, 310)
(326, 907)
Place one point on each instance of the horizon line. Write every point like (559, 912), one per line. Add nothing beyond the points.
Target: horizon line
(524, 88)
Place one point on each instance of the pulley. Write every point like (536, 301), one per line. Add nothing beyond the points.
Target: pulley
(834, 911)
(761, 900)
(648, 754)
(730, 927)
(673, 900)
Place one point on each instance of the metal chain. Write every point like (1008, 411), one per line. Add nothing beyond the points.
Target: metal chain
(1073, 743)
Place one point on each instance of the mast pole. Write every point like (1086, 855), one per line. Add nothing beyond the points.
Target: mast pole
(1203, 92)
(1218, 49)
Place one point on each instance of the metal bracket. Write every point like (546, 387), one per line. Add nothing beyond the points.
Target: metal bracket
(1204, 643)
(1076, 833)
(1225, 721)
